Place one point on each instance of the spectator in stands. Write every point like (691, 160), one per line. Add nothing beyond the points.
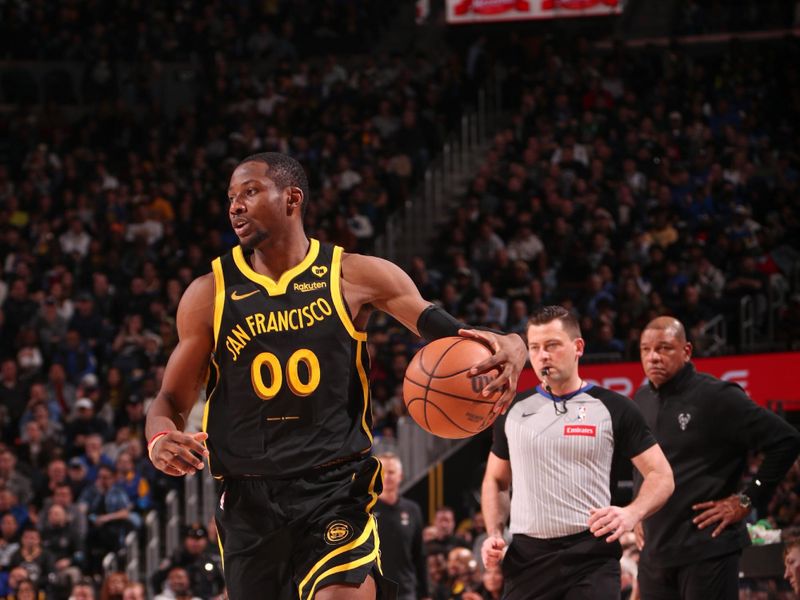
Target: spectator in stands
(177, 586)
(36, 452)
(65, 546)
(444, 538)
(462, 575)
(37, 561)
(83, 590)
(14, 480)
(135, 485)
(13, 394)
(86, 432)
(108, 510)
(113, 586)
(77, 476)
(76, 518)
(9, 587)
(134, 591)
(76, 356)
(201, 567)
(791, 560)
(491, 587)
(93, 455)
(9, 539)
(60, 390)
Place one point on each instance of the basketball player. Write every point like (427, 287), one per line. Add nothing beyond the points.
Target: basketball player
(277, 329)
(558, 446)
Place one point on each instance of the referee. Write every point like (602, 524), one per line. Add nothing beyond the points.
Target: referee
(557, 446)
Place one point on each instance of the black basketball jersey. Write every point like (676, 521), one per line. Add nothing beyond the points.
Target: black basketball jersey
(288, 389)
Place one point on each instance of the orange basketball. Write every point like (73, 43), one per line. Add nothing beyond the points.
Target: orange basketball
(439, 394)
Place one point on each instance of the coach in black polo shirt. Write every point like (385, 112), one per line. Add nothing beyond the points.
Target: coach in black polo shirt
(705, 426)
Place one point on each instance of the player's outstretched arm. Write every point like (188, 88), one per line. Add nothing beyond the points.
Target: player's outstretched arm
(657, 486)
(374, 281)
(171, 450)
(495, 508)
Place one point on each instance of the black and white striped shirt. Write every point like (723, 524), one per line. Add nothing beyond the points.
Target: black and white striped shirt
(561, 453)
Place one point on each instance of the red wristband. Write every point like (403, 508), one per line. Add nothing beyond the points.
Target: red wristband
(154, 439)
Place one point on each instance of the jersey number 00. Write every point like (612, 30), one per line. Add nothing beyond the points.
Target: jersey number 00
(271, 362)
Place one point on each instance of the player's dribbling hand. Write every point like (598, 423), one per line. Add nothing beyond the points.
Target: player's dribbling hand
(612, 520)
(509, 354)
(179, 453)
(492, 550)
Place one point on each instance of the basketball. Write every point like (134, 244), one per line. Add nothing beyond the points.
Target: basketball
(439, 394)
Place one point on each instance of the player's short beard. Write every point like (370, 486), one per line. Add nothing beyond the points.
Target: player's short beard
(254, 241)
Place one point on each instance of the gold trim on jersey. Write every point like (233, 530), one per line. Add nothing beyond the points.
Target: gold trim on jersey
(207, 406)
(371, 527)
(219, 296)
(360, 336)
(362, 375)
(275, 288)
(338, 296)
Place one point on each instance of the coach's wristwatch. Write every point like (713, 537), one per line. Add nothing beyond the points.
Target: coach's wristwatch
(744, 501)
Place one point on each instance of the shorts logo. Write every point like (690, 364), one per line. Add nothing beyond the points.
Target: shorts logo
(584, 430)
(319, 271)
(338, 532)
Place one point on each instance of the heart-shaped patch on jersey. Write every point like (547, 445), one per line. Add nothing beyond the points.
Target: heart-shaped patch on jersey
(319, 271)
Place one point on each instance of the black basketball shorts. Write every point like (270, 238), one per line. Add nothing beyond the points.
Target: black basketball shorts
(286, 539)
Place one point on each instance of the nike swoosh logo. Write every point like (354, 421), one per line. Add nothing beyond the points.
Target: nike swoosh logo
(528, 414)
(236, 296)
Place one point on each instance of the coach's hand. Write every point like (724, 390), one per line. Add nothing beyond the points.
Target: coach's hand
(613, 520)
(725, 512)
(509, 354)
(492, 550)
(179, 453)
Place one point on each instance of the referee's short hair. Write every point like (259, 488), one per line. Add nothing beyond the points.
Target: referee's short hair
(548, 314)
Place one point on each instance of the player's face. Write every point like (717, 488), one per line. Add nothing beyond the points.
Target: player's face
(792, 573)
(256, 203)
(552, 348)
(663, 354)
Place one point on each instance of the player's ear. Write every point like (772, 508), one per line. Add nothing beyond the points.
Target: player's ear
(295, 199)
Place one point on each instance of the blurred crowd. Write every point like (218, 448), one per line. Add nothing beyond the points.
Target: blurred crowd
(697, 17)
(626, 185)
